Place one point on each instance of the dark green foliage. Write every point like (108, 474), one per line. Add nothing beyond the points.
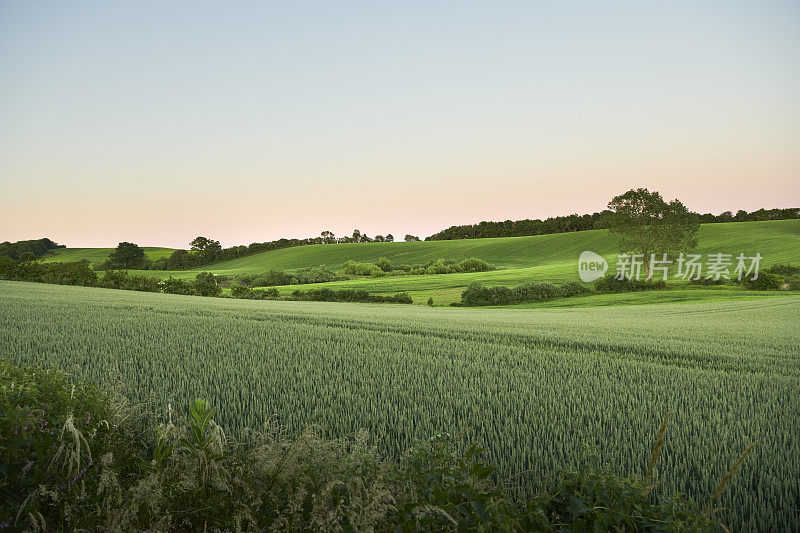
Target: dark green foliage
(28, 250)
(72, 457)
(477, 295)
(121, 279)
(320, 274)
(274, 278)
(574, 288)
(536, 292)
(176, 286)
(789, 273)
(766, 281)
(357, 268)
(348, 295)
(709, 282)
(75, 273)
(238, 291)
(430, 301)
(127, 255)
(569, 223)
(384, 264)
(440, 266)
(784, 270)
(205, 285)
(646, 224)
(611, 283)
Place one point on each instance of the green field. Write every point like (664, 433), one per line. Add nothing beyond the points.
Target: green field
(98, 255)
(533, 384)
(537, 258)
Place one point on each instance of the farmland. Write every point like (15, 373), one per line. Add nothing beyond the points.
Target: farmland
(533, 385)
(520, 259)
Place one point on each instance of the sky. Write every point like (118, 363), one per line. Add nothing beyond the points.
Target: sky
(156, 122)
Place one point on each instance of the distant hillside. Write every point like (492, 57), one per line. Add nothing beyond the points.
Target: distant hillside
(97, 255)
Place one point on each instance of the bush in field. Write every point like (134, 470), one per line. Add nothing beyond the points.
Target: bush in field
(348, 295)
(473, 264)
(320, 274)
(786, 270)
(362, 269)
(766, 281)
(611, 283)
(573, 288)
(536, 292)
(384, 264)
(246, 293)
(121, 279)
(175, 286)
(73, 273)
(75, 458)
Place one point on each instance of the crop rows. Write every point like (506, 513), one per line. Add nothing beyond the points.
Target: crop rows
(533, 385)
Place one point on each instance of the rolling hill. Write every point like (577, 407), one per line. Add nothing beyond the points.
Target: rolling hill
(535, 258)
(98, 255)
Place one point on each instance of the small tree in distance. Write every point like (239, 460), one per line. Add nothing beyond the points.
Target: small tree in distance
(648, 225)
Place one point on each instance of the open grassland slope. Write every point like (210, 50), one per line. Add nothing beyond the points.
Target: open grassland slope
(98, 255)
(534, 385)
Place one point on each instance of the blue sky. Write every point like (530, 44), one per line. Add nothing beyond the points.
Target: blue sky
(158, 121)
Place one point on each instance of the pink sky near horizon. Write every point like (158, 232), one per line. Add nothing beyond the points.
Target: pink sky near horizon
(156, 123)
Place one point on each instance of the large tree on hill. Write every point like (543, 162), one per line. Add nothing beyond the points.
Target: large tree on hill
(648, 225)
(203, 244)
(127, 255)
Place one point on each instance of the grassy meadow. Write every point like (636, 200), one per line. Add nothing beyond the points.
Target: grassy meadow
(98, 255)
(533, 385)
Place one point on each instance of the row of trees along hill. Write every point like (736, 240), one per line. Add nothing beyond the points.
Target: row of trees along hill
(575, 222)
(28, 250)
(205, 251)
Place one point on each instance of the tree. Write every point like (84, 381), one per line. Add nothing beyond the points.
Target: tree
(356, 236)
(127, 255)
(380, 238)
(648, 225)
(328, 237)
(203, 244)
(389, 237)
(410, 238)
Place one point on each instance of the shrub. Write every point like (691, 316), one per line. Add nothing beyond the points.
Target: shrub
(384, 264)
(362, 269)
(784, 270)
(175, 286)
(246, 293)
(536, 292)
(320, 274)
(611, 283)
(120, 279)
(430, 301)
(473, 264)
(573, 288)
(766, 281)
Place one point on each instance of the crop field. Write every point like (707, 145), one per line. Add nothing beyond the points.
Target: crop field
(533, 385)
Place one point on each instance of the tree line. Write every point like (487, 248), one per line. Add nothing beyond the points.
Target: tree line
(28, 250)
(575, 222)
(204, 251)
